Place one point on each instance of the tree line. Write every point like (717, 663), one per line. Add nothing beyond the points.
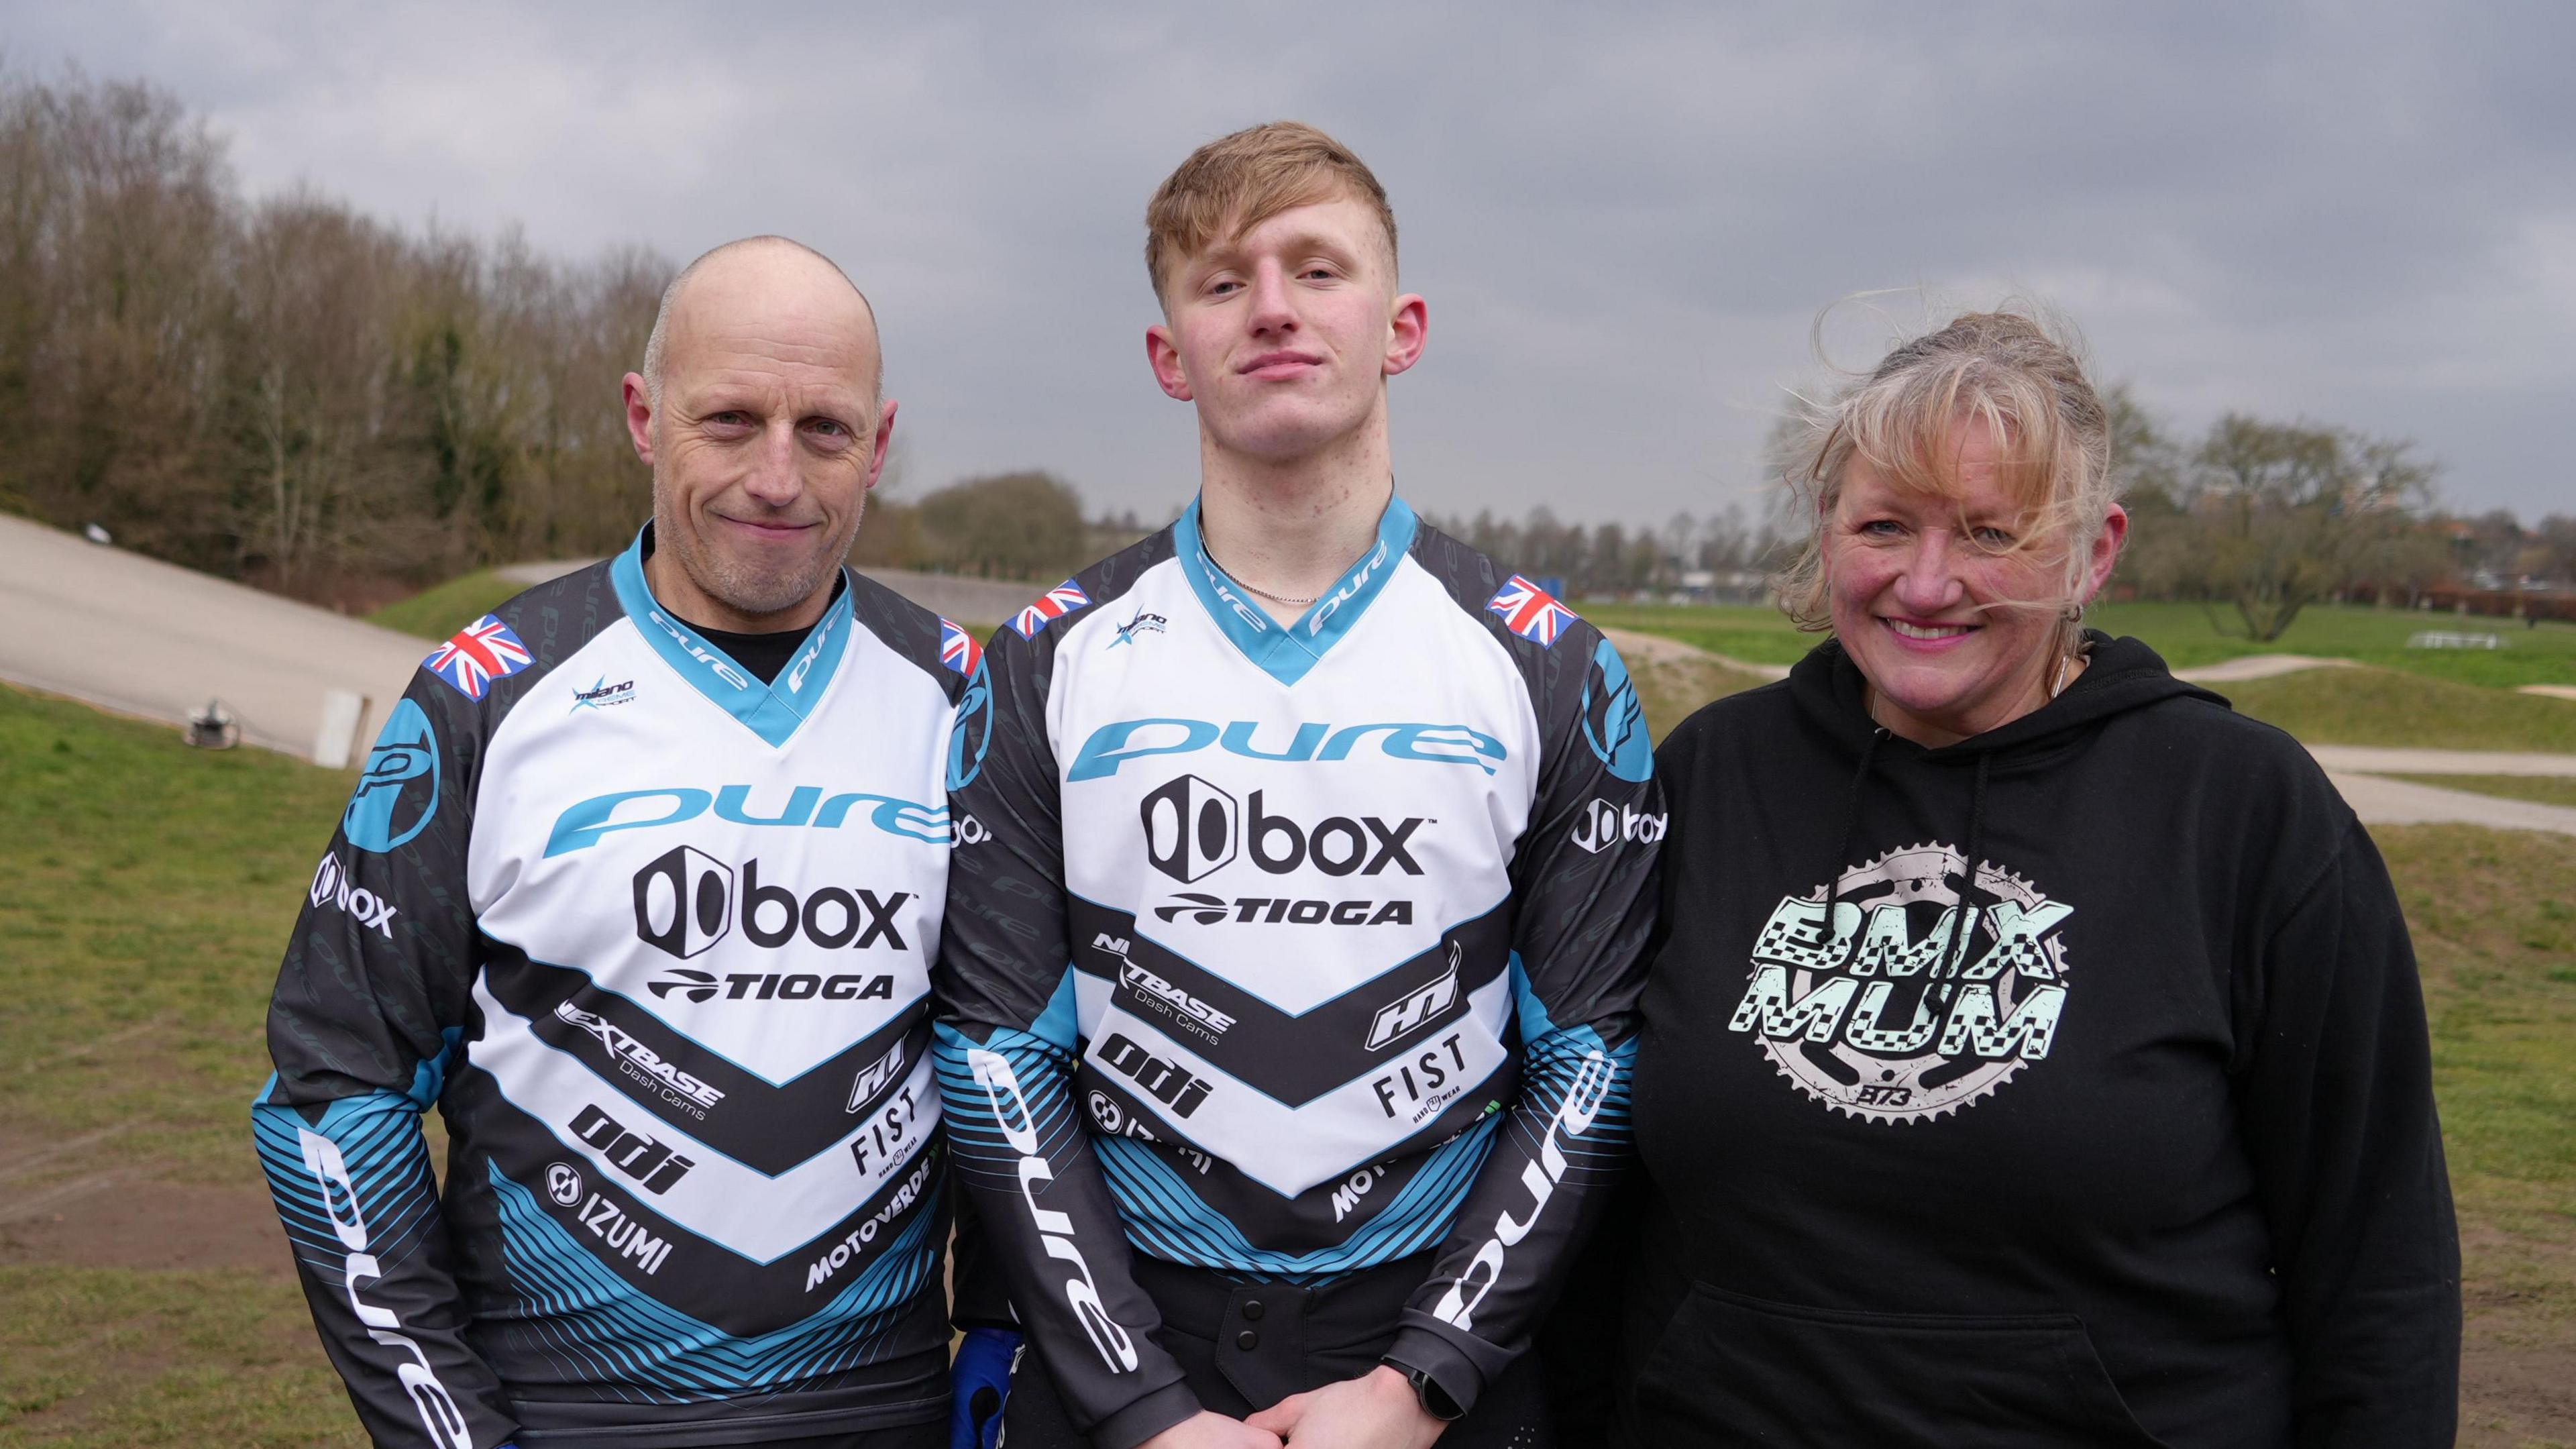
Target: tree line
(1027, 525)
(286, 390)
(290, 392)
(2256, 518)
(2261, 519)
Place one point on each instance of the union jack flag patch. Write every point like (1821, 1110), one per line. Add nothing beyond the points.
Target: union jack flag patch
(958, 649)
(1530, 611)
(1061, 600)
(481, 652)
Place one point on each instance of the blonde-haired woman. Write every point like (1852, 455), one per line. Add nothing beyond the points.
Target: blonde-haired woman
(2034, 1053)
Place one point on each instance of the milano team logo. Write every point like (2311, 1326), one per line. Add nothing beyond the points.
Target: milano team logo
(1896, 1010)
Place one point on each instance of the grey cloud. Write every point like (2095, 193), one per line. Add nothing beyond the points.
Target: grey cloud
(1626, 220)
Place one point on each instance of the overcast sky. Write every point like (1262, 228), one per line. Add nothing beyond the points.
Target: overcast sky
(1626, 218)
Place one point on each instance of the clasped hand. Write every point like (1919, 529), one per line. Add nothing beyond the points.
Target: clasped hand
(1377, 1410)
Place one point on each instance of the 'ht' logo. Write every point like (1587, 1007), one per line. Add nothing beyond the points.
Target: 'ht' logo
(1416, 1009)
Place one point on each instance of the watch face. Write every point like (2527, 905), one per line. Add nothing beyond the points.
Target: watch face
(1434, 1400)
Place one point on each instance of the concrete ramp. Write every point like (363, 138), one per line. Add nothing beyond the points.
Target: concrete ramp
(142, 637)
(146, 638)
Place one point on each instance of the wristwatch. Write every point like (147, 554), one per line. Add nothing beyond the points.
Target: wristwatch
(1434, 1399)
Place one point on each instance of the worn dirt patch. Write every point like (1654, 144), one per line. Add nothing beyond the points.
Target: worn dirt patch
(2518, 1355)
(2516, 1398)
(76, 1201)
(2517, 1373)
(113, 1221)
(1655, 648)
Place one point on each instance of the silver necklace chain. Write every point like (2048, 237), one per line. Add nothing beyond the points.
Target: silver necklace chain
(1249, 584)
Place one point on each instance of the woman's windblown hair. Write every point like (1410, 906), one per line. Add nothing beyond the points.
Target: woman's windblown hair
(1997, 371)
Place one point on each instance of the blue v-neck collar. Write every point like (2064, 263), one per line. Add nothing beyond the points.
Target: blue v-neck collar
(772, 711)
(1287, 652)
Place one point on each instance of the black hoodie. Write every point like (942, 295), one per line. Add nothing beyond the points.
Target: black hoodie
(2141, 1150)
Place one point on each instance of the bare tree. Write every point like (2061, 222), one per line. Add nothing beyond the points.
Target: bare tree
(2551, 554)
(288, 389)
(314, 292)
(2288, 515)
(119, 230)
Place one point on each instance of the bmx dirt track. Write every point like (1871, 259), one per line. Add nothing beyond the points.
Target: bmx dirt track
(147, 639)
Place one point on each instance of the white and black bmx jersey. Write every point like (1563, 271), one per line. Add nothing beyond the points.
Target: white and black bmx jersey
(655, 936)
(1291, 952)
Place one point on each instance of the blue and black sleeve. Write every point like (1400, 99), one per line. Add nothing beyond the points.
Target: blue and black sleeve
(1006, 1053)
(362, 1028)
(1583, 890)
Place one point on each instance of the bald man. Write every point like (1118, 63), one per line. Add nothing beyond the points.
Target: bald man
(639, 886)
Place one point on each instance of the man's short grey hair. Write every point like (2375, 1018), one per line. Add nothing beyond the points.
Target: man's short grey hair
(656, 344)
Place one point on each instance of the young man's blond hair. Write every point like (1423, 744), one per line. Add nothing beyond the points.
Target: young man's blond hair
(1295, 1157)
(1235, 183)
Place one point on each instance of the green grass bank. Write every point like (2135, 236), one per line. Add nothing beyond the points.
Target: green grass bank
(438, 612)
(2186, 635)
(155, 885)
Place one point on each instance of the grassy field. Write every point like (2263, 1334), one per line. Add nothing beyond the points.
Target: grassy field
(152, 888)
(2404, 697)
(107, 1358)
(438, 612)
(2545, 789)
(2185, 634)
(155, 884)
(1757, 635)
(1671, 688)
(2494, 919)
(2386, 707)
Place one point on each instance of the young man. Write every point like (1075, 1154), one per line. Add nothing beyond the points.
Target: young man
(639, 886)
(1283, 1017)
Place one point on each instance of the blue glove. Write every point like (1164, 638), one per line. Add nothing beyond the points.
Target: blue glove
(981, 1377)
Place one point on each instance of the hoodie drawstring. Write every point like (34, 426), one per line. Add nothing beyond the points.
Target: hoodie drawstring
(1976, 843)
(1968, 886)
(1842, 853)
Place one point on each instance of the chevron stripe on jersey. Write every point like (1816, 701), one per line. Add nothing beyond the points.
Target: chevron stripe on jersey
(1418, 1096)
(1375, 1215)
(760, 1215)
(615, 1333)
(1292, 1057)
(660, 949)
(628, 1226)
(769, 1126)
(1306, 928)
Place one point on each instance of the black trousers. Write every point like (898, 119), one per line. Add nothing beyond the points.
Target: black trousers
(1243, 1347)
(913, 1387)
(905, 1436)
(933, 1435)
